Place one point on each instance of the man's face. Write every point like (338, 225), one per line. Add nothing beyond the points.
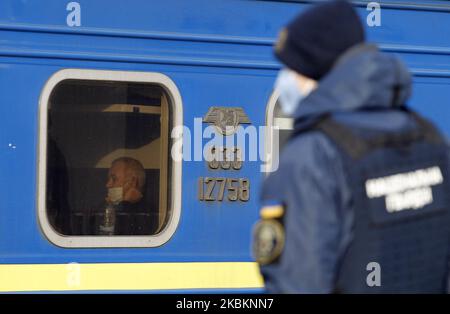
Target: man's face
(117, 175)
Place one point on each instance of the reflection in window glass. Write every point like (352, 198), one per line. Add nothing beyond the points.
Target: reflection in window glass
(107, 158)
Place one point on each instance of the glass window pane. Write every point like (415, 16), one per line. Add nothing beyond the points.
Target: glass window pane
(107, 158)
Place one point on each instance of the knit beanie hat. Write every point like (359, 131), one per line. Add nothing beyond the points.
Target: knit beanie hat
(311, 43)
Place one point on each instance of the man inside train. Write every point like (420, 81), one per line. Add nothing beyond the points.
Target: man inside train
(125, 211)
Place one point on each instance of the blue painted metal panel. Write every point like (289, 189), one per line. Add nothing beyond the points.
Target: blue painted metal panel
(206, 231)
(218, 53)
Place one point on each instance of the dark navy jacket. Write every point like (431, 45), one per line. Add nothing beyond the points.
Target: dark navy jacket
(311, 182)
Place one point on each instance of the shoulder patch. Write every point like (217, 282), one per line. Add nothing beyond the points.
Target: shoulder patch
(268, 241)
(272, 212)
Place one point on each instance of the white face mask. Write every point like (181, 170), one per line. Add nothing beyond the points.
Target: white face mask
(290, 93)
(115, 195)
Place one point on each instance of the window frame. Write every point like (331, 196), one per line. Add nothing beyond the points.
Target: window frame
(174, 204)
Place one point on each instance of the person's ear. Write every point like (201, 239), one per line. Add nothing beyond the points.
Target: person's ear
(134, 182)
(132, 193)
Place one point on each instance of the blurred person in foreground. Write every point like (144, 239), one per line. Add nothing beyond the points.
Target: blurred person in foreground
(360, 202)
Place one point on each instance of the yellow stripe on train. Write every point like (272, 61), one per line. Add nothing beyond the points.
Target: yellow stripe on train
(129, 276)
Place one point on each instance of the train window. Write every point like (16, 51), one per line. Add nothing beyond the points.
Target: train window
(279, 128)
(106, 176)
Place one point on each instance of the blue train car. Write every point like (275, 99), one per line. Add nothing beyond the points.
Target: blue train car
(84, 83)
